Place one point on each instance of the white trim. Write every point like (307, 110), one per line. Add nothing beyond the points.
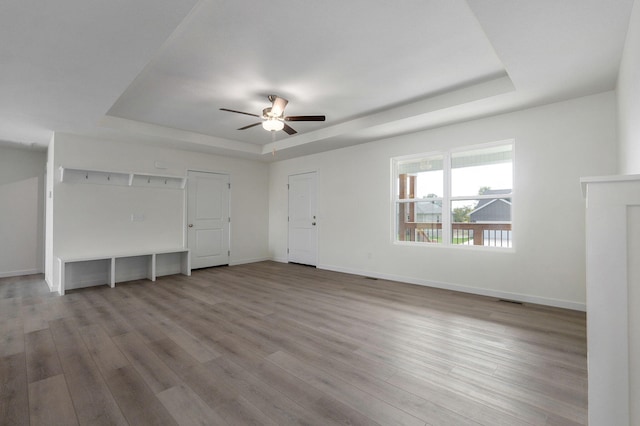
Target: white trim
(566, 304)
(447, 219)
(606, 179)
(481, 197)
(19, 273)
(440, 246)
(245, 261)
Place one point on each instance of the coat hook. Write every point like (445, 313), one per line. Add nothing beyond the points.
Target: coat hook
(148, 180)
(87, 176)
(109, 177)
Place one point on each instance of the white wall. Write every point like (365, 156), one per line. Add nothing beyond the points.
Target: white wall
(22, 181)
(554, 146)
(629, 98)
(97, 218)
(633, 252)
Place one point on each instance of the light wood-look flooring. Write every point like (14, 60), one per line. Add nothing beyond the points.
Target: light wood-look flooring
(280, 344)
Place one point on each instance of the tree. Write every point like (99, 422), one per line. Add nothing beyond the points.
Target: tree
(483, 190)
(461, 214)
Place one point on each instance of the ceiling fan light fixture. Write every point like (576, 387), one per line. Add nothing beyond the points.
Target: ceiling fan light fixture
(273, 118)
(272, 124)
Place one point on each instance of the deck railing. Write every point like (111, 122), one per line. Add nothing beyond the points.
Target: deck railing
(478, 234)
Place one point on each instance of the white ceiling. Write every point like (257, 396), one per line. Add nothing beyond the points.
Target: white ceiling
(158, 71)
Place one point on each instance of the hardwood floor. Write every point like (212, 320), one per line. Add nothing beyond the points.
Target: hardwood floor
(279, 344)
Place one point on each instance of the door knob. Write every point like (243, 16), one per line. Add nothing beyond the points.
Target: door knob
(191, 225)
(313, 223)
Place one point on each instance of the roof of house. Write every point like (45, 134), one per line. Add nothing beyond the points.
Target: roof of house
(430, 207)
(484, 203)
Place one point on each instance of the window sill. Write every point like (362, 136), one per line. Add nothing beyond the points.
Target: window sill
(491, 249)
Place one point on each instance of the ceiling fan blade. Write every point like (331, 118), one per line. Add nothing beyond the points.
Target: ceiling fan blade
(239, 112)
(250, 126)
(305, 118)
(289, 129)
(277, 109)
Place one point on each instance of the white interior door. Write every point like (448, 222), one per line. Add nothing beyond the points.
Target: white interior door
(208, 219)
(303, 230)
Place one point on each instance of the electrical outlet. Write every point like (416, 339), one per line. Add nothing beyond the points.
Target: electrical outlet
(137, 217)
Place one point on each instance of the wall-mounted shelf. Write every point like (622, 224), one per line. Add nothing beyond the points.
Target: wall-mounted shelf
(98, 177)
(158, 181)
(103, 177)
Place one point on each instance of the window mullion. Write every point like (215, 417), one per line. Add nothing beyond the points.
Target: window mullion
(446, 202)
(480, 197)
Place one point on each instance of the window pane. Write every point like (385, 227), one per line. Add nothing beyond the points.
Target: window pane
(461, 210)
(428, 211)
(421, 178)
(482, 171)
(483, 222)
(419, 221)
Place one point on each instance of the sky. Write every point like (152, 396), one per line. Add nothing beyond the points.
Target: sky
(466, 180)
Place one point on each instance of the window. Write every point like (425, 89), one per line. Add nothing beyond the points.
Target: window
(455, 198)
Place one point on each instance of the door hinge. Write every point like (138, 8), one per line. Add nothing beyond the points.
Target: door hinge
(287, 186)
(287, 218)
(229, 185)
(287, 251)
(229, 219)
(228, 252)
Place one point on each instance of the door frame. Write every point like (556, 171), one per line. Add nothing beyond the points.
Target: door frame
(185, 209)
(317, 243)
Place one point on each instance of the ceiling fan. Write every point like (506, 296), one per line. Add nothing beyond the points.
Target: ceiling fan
(273, 117)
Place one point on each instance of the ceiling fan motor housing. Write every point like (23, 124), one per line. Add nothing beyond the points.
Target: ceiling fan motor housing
(266, 113)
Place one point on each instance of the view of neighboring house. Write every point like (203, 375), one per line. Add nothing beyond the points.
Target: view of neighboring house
(488, 224)
(429, 212)
(492, 210)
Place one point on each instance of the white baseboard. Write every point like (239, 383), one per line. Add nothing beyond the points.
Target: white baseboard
(89, 282)
(280, 259)
(19, 273)
(245, 261)
(50, 284)
(464, 289)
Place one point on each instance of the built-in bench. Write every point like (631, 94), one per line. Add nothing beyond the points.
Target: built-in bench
(91, 270)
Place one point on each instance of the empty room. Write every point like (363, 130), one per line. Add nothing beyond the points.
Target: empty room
(387, 213)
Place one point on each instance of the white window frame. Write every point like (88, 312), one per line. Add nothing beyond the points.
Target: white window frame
(447, 198)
